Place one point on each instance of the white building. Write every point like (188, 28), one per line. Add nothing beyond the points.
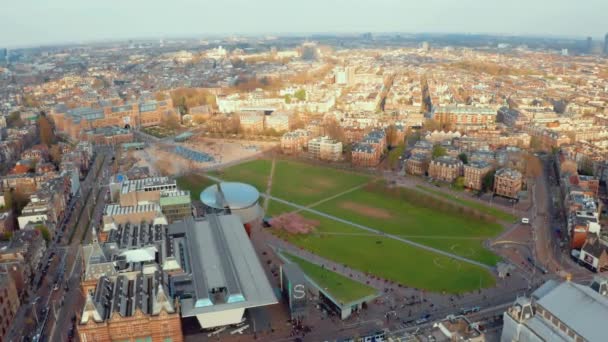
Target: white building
(566, 311)
(325, 148)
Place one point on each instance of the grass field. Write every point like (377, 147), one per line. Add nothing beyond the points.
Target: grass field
(372, 206)
(389, 259)
(255, 172)
(414, 222)
(343, 289)
(195, 183)
(499, 214)
(159, 131)
(306, 184)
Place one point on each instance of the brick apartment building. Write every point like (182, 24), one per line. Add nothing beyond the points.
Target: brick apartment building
(9, 303)
(417, 164)
(474, 172)
(294, 142)
(110, 135)
(507, 183)
(365, 155)
(466, 117)
(445, 169)
(76, 121)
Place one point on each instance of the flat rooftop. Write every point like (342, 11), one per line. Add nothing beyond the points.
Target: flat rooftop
(151, 183)
(226, 273)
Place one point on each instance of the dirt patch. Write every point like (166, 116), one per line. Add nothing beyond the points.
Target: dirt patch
(294, 223)
(366, 210)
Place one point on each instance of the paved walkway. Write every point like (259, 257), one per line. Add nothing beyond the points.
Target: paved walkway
(269, 186)
(334, 196)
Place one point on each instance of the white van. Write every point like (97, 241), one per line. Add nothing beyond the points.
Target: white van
(525, 220)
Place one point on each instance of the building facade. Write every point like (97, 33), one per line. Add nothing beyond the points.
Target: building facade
(325, 148)
(294, 142)
(9, 303)
(417, 164)
(474, 173)
(124, 309)
(445, 169)
(507, 183)
(75, 122)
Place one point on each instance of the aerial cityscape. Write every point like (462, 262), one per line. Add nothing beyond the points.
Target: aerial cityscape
(368, 185)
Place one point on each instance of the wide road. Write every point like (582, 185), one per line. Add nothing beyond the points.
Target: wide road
(68, 302)
(371, 230)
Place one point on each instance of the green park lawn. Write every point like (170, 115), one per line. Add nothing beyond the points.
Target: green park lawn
(486, 209)
(389, 259)
(255, 172)
(306, 184)
(342, 288)
(430, 226)
(194, 183)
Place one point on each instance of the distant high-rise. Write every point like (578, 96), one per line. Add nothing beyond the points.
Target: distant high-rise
(589, 46)
(4, 54)
(606, 44)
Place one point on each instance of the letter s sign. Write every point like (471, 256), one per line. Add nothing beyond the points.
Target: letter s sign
(298, 291)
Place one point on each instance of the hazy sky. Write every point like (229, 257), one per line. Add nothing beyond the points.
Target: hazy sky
(28, 22)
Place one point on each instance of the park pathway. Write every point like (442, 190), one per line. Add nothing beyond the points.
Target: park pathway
(333, 196)
(269, 185)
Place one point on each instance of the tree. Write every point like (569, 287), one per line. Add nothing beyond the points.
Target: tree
(47, 135)
(459, 183)
(438, 151)
(8, 199)
(171, 122)
(6, 236)
(46, 235)
(535, 143)
(14, 120)
(463, 158)
(431, 125)
(300, 95)
(287, 98)
(55, 154)
(332, 129)
(487, 183)
(534, 167)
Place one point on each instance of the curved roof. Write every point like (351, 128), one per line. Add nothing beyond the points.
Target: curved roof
(230, 194)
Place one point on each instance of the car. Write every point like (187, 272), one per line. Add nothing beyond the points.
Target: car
(525, 220)
(423, 319)
(466, 311)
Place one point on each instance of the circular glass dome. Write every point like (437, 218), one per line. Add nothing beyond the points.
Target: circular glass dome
(230, 194)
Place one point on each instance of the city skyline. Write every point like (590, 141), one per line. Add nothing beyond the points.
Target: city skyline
(71, 21)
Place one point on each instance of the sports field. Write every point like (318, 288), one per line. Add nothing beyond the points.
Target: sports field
(390, 259)
(499, 214)
(343, 289)
(255, 172)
